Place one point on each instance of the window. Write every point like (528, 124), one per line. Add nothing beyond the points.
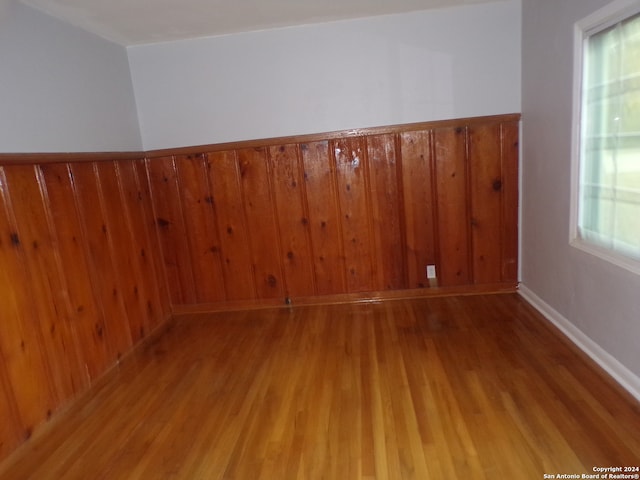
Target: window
(606, 191)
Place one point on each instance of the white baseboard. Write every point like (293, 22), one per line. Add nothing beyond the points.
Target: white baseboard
(621, 374)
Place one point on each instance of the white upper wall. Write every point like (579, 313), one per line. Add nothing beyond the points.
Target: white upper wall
(598, 298)
(62, 89)
(429, 65)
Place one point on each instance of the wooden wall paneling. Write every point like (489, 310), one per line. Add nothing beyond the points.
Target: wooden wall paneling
(105, 280)
(418, 202)
(95, 249)
(370, 227)
(125, 258)
(230, 219)
(171, 229)
(9, 426)
(27, 387)
(510, 152)
(142, 252)
(202, 232)
(22, 355)
(454, 265)
(47, 285)
(293, 223)
(486, 182)
(324, 218)
(355, 209)
(86, 315)
(260, 216)
(386, 207)
(153, 240)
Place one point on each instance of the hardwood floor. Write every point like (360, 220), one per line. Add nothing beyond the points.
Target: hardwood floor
(473, 387)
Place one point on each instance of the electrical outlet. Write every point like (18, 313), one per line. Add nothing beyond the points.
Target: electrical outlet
(431, 271)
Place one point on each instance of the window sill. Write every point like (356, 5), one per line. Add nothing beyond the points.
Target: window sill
(607, 255)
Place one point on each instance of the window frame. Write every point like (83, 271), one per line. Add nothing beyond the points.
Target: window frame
(592, 24)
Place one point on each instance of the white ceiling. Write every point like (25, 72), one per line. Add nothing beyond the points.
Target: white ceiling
(131, 22)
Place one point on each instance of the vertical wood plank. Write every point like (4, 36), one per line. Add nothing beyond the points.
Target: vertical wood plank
(202, 233)
(22, 356)
(324, 220)
(452, 209)
(9, 427)
(229, 214)
(260, 215)
(47, 285)
(418, 195)
(171, 229)
(510, 152)
(152, 235)
(289, 198)
(351, 166)
(89, 201)
(87, 317)
(141, 250)
(486, 202)
(126, 267)
(388, 225)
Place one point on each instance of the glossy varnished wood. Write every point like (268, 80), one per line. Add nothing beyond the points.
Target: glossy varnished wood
(79, 282)
(342, 214)
(97, 248)
(473, 387)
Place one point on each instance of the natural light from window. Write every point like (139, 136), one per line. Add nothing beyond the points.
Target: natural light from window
(608, 203)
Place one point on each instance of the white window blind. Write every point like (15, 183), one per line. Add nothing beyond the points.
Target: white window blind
(609, 185)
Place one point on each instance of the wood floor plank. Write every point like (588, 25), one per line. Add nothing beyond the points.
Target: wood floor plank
(471, 387)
